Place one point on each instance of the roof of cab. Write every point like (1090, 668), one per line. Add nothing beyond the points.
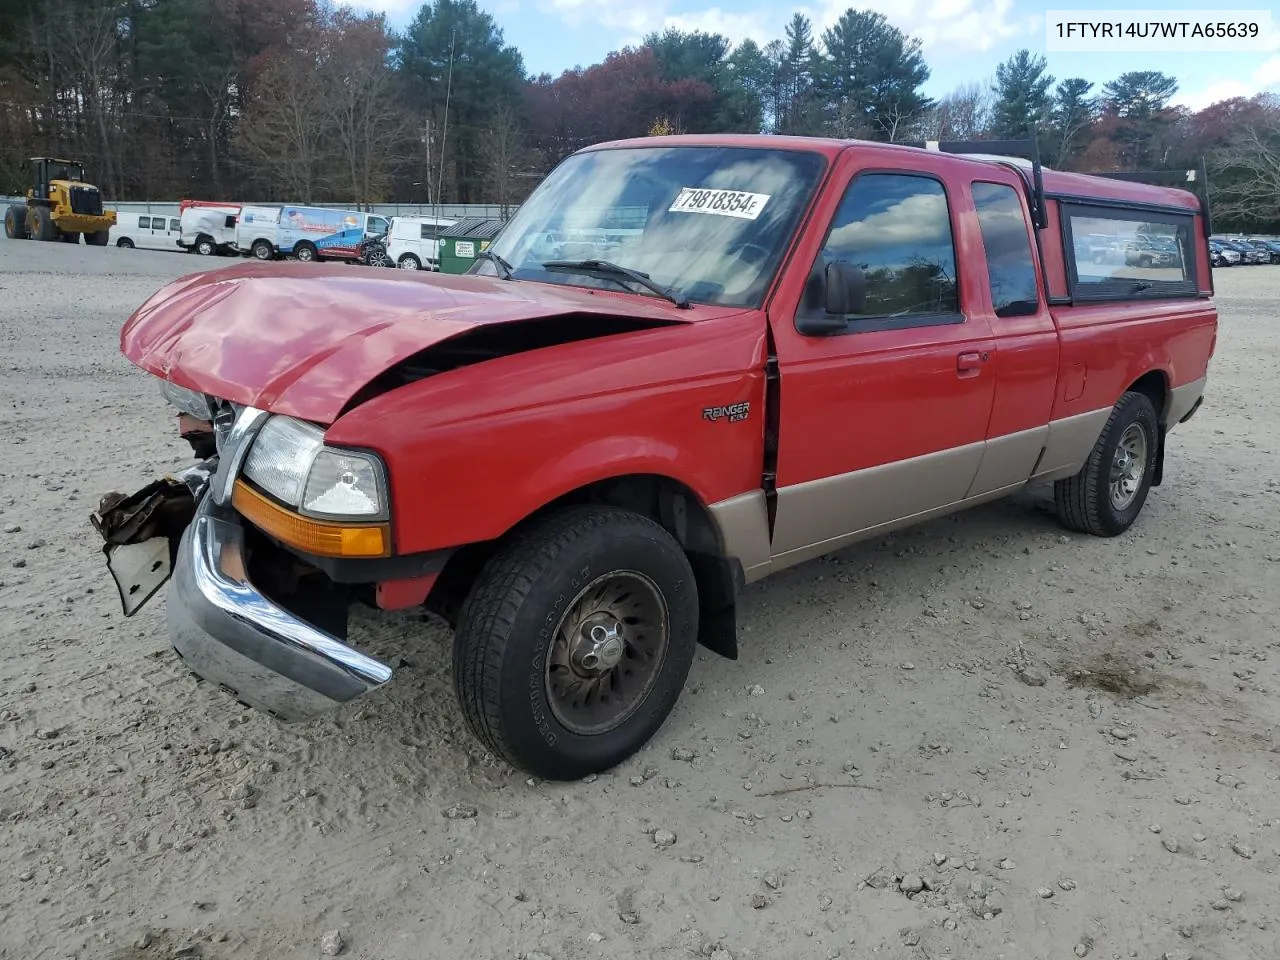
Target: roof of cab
(1055, 181)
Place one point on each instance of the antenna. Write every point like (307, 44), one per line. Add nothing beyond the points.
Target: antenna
(444, 127)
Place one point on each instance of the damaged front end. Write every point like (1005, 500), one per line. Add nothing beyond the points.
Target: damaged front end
(141, 532)
(227, 620)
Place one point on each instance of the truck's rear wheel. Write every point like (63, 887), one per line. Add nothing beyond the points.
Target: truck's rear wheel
(15, 222)
(205, 246)
(410, 262)
(124, 243)
(1106, 496)
(70, 237)
(262, 250)
(306, 252)
(575, 641)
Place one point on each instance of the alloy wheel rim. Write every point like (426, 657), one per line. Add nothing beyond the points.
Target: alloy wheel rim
(606, 652)
(1128, 466)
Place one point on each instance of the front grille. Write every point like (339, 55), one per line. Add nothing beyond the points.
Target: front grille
(86, 201)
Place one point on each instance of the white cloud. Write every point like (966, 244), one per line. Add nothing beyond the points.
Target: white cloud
(1265, 79)
(389, 7)
(945, 27)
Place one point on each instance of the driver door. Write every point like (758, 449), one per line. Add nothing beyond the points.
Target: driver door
(886, 420)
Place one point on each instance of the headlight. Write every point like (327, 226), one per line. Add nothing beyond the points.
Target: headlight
(188, 401)
(290, 461)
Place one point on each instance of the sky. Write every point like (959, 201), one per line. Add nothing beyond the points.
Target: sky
(963, 40)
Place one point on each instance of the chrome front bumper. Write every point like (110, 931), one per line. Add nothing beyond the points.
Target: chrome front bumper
(229, 633)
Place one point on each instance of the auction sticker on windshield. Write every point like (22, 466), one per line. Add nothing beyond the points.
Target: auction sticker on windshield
(724, 203)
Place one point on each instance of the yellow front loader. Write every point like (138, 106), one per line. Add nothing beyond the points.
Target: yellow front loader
(60, 206)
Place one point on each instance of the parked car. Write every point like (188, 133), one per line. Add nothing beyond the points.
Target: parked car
(1268, 247)
(413, 243)
(1151, 252)
(146, 230)
(208, 230)
(1222, 254)
(373, 252)
(320, 233)
(579, 464)
(1248, 252)
(258, 232)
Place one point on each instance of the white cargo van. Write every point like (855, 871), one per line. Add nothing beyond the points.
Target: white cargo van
(146, 231)
(209, 230)
(258, 232)
(413, 243)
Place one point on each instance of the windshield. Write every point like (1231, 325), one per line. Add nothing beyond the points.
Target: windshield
(709, 223)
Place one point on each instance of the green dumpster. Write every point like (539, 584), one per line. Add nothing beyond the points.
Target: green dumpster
(462, 242)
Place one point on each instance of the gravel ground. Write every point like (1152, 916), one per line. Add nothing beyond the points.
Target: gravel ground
(977, 739)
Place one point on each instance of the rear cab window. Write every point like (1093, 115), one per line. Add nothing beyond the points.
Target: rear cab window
(1015, 289)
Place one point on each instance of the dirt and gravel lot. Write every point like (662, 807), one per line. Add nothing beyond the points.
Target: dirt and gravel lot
(978, 739)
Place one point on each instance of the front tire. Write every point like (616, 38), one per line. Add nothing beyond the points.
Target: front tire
(1106, 496)
(42, 226)
(576, 640)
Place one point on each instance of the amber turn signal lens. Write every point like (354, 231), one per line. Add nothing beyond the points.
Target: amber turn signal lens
(323, 538)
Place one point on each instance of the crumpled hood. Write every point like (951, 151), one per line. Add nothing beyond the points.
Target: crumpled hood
(301, 338)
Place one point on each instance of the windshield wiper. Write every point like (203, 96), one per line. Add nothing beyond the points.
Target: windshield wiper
(505, 267)
(614, 271)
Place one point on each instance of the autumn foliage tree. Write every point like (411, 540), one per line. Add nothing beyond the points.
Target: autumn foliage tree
(307, 100)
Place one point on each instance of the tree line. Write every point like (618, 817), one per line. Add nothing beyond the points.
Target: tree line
(308, 101)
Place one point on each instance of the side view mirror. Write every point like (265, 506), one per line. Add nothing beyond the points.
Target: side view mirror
(846, 289)
(841, 288)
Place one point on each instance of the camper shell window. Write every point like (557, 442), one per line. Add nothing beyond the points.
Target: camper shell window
(1118, 252)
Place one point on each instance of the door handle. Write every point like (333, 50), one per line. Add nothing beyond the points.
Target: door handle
(969, 364)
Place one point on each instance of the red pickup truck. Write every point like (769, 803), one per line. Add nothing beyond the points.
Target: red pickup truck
(684, 364)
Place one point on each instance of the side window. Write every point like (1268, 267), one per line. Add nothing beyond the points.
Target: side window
(144, 223)
(230, 222)
(897, 229)
(1012, 272)
(175, 226)
(1119, 254)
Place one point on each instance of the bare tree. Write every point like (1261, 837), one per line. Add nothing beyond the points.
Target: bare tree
(369, 128)
(88, 37)
(282, 134)
(503, 149)
(1247, 174)
(963, 114)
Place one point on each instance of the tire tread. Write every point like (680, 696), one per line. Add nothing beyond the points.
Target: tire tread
(1076, 499)
(487, 617)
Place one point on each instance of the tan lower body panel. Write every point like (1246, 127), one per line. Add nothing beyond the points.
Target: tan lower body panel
(822, 516)
(743, 522)
(1008, 460)
(1069, 444)
(1183, 398)
(813, 513)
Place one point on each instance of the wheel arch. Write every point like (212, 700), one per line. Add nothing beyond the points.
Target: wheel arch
(1154, 385)
(670, 502)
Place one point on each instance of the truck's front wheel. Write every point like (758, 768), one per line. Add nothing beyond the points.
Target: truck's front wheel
(1106, 496)
(575, 641)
